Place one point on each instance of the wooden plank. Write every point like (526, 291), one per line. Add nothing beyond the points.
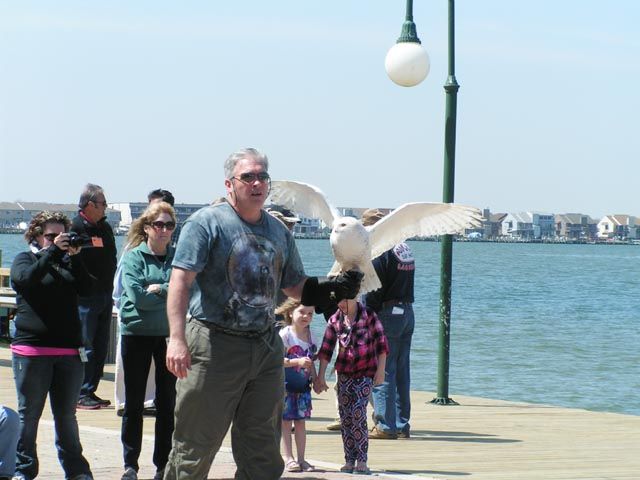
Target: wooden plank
(480, 439)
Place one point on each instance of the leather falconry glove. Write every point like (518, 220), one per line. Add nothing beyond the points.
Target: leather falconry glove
(320, 292)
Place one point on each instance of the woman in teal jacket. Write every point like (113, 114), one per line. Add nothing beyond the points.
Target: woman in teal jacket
(146, 268)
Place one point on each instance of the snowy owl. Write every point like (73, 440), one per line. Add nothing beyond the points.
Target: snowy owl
(354, 245)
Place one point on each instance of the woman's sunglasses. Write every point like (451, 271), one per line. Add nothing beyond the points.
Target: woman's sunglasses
(163, 225)
(50, 236)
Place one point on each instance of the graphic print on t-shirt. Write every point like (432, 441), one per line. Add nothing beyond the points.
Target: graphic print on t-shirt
(251, 268)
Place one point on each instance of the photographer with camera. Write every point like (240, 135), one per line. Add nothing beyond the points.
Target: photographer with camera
(47, 348)
(95, 307)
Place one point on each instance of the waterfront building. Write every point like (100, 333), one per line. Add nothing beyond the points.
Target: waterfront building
(132, 210)
(576, 226)
(529, 225)
(491, 225)
(618, 227)
(16, 215)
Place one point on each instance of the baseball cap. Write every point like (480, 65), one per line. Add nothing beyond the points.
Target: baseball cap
(283, 214)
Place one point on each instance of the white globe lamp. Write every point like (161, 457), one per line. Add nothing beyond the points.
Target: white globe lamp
(407, 63)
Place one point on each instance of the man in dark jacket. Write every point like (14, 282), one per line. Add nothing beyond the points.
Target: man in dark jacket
(394, 305)
(96, 307)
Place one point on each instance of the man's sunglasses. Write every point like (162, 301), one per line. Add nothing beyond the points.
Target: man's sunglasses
(252, 177)
(50, 236)
(163, 225)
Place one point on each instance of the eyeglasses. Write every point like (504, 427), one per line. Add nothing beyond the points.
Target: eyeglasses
(103, 203)
(252, 177)
(50, 236)
(163, 225)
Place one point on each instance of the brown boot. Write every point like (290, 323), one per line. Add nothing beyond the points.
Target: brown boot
(380, 435)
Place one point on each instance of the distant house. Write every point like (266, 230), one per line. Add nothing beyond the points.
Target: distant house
(132, 210)
(492, 224)
(618, 227)
(14, 213)
(528, 225)
(576, 226)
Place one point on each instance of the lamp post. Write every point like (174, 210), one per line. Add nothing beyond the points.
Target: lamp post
(405, 66)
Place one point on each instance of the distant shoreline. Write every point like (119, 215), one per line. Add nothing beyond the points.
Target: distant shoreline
(555, 241)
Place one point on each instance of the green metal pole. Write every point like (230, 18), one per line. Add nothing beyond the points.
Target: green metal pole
(451, 91)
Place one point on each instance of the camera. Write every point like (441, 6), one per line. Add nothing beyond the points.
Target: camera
(79, 240)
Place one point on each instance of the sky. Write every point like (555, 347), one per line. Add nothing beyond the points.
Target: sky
(137, 95)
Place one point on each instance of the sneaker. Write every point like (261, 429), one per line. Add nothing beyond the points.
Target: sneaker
(101, 401)
(381, 435)
(404, 434)
(334, 426)
(129, 474)
(88, 403)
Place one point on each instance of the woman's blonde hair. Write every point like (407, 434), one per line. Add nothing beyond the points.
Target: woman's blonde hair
(286, 309)
(137, 235)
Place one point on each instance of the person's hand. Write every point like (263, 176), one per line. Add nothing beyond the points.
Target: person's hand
(378, 378)
(348, 284)
(62, 241)
(319, 385)
(304, 362)
(178, 357)
(154, 288)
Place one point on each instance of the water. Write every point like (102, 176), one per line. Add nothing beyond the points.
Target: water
(554, 324)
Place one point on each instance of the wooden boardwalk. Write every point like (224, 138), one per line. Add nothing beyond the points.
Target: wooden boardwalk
(480, 439)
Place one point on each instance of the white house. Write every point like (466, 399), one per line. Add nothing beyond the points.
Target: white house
(529, 225)
(618, 226)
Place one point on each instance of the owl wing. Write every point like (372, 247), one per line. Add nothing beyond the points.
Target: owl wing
(303, 199)
(421, 219)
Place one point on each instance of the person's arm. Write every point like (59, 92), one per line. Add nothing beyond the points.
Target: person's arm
(320, 384)
(178, 356)
(381, 347)
(27, 272)
(135, 285)
(322, 291)
(378, 378)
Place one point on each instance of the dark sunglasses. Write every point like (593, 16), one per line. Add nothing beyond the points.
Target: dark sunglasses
(252, 177)
(163, 225)
(50, 236)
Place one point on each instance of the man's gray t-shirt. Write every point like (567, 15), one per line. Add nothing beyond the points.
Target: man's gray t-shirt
(240, 267)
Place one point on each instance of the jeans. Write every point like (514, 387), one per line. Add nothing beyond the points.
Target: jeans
(95, 317)
(391, 399)
(232, 379)
(137, 352)
(60, 378)
(9, 430)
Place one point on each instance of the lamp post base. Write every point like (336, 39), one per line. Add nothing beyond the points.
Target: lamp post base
(443, 401)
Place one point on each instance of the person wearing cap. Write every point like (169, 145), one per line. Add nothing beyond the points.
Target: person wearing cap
(393, 304)
(285, 215)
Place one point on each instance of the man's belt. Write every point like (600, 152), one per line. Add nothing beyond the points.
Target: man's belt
(232, 332)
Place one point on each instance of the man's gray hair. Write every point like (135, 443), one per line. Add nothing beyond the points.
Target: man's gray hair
(89, 194)
(244, 153)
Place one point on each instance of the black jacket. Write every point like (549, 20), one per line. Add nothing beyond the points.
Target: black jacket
(100, 261)
(47, 286)
(396, 270)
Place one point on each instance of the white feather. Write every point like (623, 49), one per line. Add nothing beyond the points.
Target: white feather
(304, 199)
(420, 219)
(354, 246)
